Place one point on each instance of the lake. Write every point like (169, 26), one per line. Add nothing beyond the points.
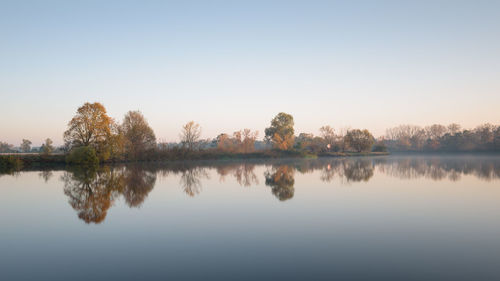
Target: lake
(377, 218)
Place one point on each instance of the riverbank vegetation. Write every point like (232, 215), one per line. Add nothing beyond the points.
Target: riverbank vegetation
(440, 138)
(94, 137)
(93, 134)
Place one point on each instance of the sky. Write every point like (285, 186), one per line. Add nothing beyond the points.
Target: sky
(230, 65)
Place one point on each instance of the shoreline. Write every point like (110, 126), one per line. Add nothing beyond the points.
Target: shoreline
(17, 162)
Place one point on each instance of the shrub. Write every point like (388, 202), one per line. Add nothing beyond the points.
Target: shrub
(83, 155)
(379, 147)
(10, 163)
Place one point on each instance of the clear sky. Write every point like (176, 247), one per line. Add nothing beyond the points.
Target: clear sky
(235, 64)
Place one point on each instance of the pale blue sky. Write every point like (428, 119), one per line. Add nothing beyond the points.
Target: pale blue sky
(235, 64)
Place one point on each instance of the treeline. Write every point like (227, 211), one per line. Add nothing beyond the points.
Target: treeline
(92, 137)
(440, 138)
(25, 147)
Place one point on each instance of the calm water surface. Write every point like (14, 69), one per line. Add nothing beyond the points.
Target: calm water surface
(397, 217)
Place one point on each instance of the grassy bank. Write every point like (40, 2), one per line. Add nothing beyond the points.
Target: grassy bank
(10, 163)
(351, 154)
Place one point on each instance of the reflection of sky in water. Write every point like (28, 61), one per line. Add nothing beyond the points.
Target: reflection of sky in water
(402, 217)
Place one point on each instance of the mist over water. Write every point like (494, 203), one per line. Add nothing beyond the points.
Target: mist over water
(408, 217)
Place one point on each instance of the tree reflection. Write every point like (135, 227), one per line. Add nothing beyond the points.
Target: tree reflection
(440, 168)
(191, 180)
(245, 176)
(46, 175)
(348, 170)
(138, 183)
(243, 173)
(90, 192)
(281, 180)
(358, 170)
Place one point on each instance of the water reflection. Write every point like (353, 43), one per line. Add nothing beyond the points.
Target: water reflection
(137, 183)
(281, 180)
(440, 168)
(243, 173)
(46, 175)
(348, 170)
(92, 192)
(191, 180)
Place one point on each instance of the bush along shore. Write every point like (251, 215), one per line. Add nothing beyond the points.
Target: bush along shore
(87, 157)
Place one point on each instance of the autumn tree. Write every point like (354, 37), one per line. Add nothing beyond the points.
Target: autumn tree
(248, 143)
(359, 140)
(26, 146)
(91, 126)
(241, 142)
(190, 135)
(281, 132)
(224, 142)
(47, 147)
(138, 135)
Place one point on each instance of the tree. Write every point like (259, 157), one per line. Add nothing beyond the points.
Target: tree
(435, 131)
(47, 147)
(359, 140)
(328, 135)
(26, 146)
(281, 132)
(303, 140)
(138, 135)
(224, 142)
(91, 126)
(241, 142)
(453, 128)
(5, 147)
(248, 143)
(190, 135)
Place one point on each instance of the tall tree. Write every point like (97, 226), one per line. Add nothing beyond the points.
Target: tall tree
(359, 140)
(47, 147)
(91, 126)
(248, 143)
(190, 135)
(139, 137)
(328, 135)
(281, 132)
(26, 146)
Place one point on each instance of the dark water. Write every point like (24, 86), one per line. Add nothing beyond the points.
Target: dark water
(383, 218)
